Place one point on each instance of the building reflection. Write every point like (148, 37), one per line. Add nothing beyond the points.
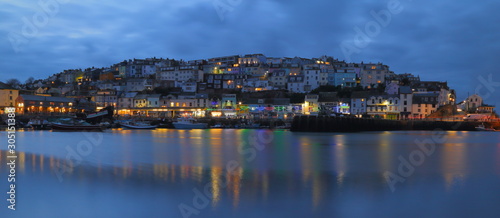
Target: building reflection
(205, 169)
(384, 150)
(309, 153)
(498, 159)
(453, 164)
(340, 157)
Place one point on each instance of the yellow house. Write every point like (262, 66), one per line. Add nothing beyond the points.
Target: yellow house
(8, 96)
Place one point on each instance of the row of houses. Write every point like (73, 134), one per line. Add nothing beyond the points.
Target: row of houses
(408, 103)
(252, 72)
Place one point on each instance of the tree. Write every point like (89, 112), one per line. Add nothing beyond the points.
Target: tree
(29, 82)
(326, 88)
(14, 83)
(405, 82)
(381, 87)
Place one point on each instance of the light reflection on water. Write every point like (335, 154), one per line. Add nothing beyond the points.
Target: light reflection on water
(297, 174)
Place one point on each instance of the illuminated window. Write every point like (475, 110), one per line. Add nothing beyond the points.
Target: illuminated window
(374, 67)
(177, 104)
(171, 104)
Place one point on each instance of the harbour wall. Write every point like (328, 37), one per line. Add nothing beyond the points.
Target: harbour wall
(308, 123)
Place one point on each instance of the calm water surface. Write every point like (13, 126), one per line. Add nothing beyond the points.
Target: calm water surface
(255, 173)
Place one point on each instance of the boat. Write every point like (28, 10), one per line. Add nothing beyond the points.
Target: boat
(39, 124)
(75, 125)
(189, 123)
(483, 128)
(132, 125)
(217, 126)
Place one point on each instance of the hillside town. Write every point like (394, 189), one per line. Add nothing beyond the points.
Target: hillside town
(248, 86)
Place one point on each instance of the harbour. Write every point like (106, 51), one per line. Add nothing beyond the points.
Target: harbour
(158, 173)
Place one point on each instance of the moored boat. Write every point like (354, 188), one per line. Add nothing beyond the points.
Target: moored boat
(189, 123)
(39, 124)
(138, 126)
(70, 124)
(483, 128)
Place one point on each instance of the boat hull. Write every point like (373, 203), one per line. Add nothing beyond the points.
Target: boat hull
(128, 126)
(64, 127)
(484, 129)
(190, 125)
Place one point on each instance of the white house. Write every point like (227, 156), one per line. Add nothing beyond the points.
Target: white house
(312, 77)
(373, 74)
(139, 84)
(406, 103)
(296, 83)
(126, 100)
(358, 102)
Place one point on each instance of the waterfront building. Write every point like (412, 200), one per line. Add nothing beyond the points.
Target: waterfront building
(125, 102)
(190, 104)
(266, 108)
(383, 106)
(329, 103)
(311, 104)
(406, 103)
(472, 103)
(358, 102)
(153, 100)
(424, 104)
(105, 98)
(485, 109)
(140, 101)
(36, 104)
(8, 96)
(445, 95)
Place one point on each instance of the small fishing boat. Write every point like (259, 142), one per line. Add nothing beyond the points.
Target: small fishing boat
(75, 125)
(483, 128)
(39, 124)
(189, 123)
(132, 125)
